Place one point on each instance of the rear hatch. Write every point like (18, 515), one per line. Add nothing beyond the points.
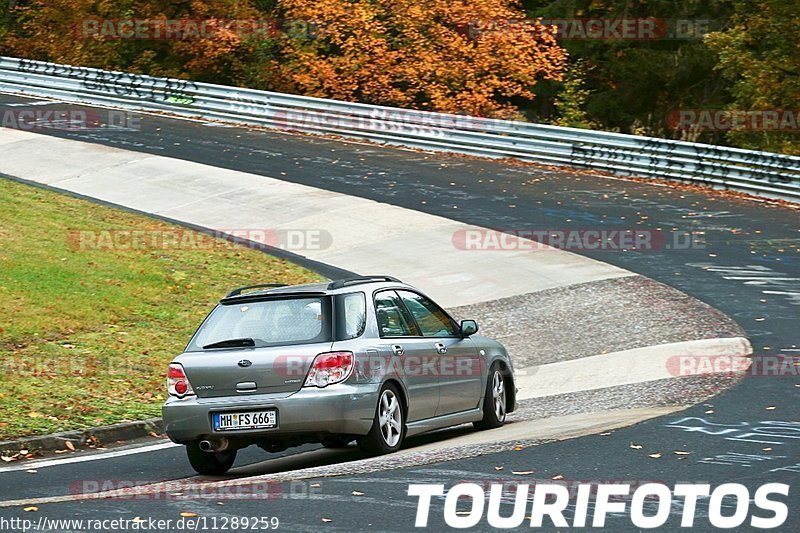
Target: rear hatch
(240, 372)
(259, 344)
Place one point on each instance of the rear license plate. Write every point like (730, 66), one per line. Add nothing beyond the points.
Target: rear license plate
(249, 420)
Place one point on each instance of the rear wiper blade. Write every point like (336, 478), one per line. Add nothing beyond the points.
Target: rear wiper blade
(230, 343)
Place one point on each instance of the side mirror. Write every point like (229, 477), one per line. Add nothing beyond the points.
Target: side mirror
(468, 327)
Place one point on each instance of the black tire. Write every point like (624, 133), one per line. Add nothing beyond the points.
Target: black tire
(495, 402)
(210, 464)
(387, 437)
(336, 442)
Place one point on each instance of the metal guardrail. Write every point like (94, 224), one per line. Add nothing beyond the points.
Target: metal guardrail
(759, 173)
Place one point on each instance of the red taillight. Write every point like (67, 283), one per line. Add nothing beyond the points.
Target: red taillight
(176, 372)
(330, 368)
(177, 382)
(181, 387)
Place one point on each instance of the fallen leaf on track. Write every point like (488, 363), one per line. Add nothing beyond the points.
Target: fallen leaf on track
(31, 509)
(498, 468)
(357, 493)
(326, 520)
(522, 472)
(656, 455)
(188, 515)
(636, 446)
(558, 477)
(771, 408)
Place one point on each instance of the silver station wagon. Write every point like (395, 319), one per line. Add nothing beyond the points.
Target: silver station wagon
(369, 359)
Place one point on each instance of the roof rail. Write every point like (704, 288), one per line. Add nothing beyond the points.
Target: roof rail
(338, 284)
(237, 292)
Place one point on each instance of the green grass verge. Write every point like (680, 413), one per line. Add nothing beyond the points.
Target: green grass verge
(86, 332)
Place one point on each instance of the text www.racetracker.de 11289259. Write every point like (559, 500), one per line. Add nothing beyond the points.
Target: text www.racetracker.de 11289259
(185, 523)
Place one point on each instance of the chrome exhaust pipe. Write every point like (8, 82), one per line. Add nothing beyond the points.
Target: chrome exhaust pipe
(214, 446)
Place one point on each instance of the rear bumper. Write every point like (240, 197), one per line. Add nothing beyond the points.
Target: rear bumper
(337, 409)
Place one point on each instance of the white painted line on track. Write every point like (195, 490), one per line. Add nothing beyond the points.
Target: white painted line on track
(34, 102)
(37, 465)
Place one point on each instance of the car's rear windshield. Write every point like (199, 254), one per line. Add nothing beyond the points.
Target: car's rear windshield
(273, 322)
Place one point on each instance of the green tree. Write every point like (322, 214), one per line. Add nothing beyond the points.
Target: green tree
(760, 54)
(570, 102)
(635, 84)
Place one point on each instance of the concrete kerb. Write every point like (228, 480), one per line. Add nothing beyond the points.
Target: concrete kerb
(82, 437)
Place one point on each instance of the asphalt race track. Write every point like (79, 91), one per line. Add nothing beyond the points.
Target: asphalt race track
(749, 268)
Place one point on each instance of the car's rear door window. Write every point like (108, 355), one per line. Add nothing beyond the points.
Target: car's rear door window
(430, 318)
(351, 313)
(393, 318)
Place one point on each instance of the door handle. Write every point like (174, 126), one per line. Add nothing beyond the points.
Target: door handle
(246, 386)
(398, 350)
(440, 348)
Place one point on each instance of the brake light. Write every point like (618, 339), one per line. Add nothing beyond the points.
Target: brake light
(177, 382)
(329, 368)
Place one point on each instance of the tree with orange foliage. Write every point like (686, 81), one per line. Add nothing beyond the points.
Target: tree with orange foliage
(428, 55)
